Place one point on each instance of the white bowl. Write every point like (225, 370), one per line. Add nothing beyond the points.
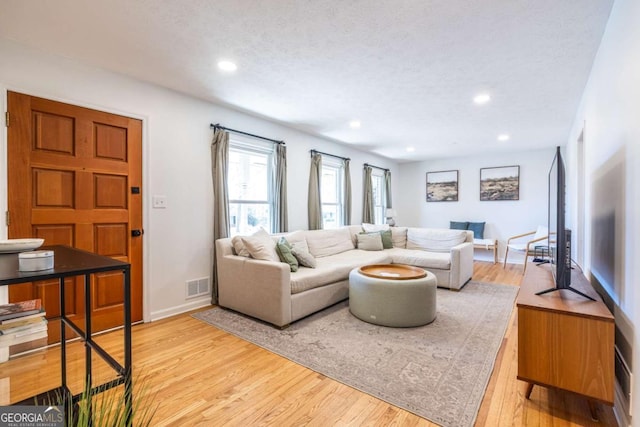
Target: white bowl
(19, 245)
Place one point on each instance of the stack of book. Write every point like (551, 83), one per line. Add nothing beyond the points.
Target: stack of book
(21, 324)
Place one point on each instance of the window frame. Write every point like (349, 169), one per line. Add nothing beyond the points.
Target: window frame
(338, 167)
(252, 147)
(377, 175)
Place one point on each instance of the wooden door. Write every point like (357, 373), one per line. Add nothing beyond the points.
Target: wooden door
(75, 178)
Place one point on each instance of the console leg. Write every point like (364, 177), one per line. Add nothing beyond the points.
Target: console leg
(593, 408)
(529, 390)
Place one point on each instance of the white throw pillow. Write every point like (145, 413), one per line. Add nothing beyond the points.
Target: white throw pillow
(370, 242)
(371, 228)
(261, 246)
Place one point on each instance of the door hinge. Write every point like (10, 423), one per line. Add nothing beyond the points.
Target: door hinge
(8, 219)
(6, 118)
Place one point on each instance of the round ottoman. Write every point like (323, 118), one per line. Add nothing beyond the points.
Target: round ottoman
(393, 295)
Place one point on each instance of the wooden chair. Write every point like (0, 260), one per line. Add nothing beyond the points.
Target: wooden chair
(539, 238)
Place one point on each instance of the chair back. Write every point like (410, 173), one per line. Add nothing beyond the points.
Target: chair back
(542, 231)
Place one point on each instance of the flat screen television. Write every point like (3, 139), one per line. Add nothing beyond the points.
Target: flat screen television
(559, 239)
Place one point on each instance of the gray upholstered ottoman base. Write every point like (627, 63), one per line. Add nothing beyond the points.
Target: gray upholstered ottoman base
(395, 303)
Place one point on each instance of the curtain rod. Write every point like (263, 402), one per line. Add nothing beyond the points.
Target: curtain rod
(376, 167)
(217, 126)
(330, 155)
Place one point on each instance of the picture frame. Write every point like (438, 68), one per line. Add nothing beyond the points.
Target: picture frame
(500, 183)
(442, 186)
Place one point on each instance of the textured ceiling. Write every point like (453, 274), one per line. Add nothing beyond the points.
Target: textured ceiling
(407, 69)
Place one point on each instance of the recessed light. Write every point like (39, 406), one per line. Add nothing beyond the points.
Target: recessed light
(482, 98)
(410, 149)
(355, 124)
(227, 66)
(503, 137)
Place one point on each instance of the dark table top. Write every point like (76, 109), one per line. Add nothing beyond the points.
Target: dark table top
(67, 262)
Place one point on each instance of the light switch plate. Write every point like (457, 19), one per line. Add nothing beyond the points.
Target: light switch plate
(159, 202)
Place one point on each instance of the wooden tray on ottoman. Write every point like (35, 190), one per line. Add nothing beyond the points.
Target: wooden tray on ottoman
(392, 271)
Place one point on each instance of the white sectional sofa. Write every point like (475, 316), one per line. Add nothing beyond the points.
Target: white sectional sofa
(268, 290)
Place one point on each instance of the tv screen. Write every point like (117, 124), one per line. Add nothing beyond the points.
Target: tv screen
(559, 237)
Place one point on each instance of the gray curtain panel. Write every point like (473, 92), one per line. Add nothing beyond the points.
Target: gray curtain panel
(367, 190)
(387, 186)
(220, 166)
(314, 204)
(280, 218)
(346, 206)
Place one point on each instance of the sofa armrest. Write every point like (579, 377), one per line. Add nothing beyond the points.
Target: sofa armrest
(461, 264)
(260, 289)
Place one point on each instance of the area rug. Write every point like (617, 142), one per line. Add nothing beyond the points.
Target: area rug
(438, 371)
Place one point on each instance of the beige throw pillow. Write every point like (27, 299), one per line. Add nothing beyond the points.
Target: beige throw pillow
(304, 258)
(239, 247)
(370, 242)
(261, 246)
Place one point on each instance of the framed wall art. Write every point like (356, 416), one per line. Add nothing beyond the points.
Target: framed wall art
(442, 186)
(500, 183)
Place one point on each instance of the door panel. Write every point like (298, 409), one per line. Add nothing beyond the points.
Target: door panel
(70, 170)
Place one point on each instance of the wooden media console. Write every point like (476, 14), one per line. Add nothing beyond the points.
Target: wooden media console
(565, 341)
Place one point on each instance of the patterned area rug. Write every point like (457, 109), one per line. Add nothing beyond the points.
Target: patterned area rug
(439, 371)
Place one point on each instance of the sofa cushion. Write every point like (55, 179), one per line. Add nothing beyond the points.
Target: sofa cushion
(370, 241)
(283, 249)
(297, 240)
(435, 240)
(324, 243)
(370, 228)
(261, 246)
(334, 268)
(420, 258)
(399, 237)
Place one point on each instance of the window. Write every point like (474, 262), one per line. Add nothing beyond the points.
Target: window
(250, 194)
(379, 197)
(331, 194)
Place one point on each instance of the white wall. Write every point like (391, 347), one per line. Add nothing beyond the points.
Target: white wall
(177, 164)
(610, 115)
(503, 218)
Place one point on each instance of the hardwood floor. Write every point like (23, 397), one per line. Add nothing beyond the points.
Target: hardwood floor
(201, 376)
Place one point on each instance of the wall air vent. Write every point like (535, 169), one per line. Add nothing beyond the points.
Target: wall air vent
(198, 287)
(624, 381)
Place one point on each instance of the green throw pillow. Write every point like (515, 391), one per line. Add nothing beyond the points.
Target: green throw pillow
(387, 242)
(283, 248)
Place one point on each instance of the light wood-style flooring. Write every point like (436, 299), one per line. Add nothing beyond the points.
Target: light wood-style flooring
(201, 376)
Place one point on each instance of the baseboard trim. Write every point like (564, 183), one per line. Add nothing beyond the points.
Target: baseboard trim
(173, 311)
